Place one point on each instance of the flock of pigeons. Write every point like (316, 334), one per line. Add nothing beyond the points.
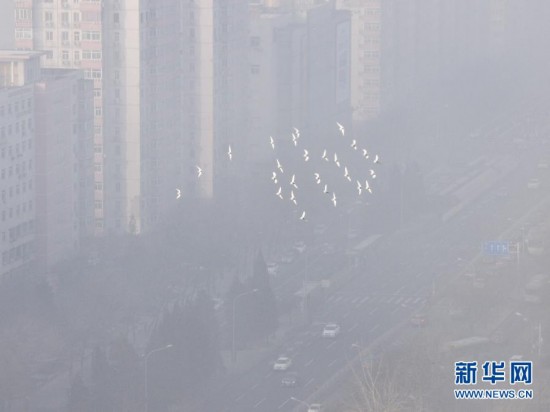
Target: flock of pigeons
(362, 185)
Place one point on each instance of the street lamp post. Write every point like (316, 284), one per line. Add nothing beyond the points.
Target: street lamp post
(146, 375)
(233, 352)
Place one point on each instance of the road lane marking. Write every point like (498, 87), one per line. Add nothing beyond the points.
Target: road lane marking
(309, 362)
(330, 344)
(259, 403)
(398, 301)
(396, 309)
(364, 300)
(338, 299)
(354, 300)
(284, 403)
(332, 363)
(374, 328)
(353, 327)
(309, 381)
(240, 397)
(268, 375)
(255, 386)
(417, 300)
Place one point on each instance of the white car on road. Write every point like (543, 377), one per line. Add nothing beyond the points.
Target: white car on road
(331, 330)
(282, 363)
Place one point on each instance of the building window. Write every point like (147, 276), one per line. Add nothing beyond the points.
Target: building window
(65, 35)
(65, 55)
(255, 41)
(48, 16)
(116, 18)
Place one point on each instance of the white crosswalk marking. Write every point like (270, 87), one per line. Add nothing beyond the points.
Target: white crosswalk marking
(364, 300)
(354, 300)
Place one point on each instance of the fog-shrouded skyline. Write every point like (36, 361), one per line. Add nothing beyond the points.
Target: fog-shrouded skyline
(274, 205)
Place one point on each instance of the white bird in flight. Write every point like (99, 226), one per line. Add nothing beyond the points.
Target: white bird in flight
(359, 188)
(279, 192)
(354, 144)
(292, 197)
(229, 153)
(372, 173)
(346, 173)
(376, 159)
(317, 178)
(279, 166)
(334, 199)
(303, 217)
(272, 142)
(306, 155)
(324, 156)
(342, 130)
(367, 187)
(294, 139)
(325, 190)
(274, 177)
(199, 171)
(293, 181)
(365, 154)
(178, 193)
(336, 160)
(297, 132)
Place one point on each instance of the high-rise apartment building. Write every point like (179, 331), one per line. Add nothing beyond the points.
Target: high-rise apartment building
(214, 92)
(45, 160)
(70, 34)
(18, 72)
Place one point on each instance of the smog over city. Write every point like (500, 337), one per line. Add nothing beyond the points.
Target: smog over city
(274, 205)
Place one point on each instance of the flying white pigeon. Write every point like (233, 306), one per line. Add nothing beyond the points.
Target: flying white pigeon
(279, 166)
(199, 171)
(297, 132)
(272, 142)
(294, 139)
(376, 159)
(367, 187)
(229, 153)
(292, 197)
(372, 173)
(178, 193)
(365, 154)
(306, 155)
(336, 160)
(274, 177)
(279, 192)
(354, 144)
(324, 156)
(346, 173)
(293, 181)
(325, 190)
(359, 188)
(303, 217)
(342, 130)
(317, 178)
(334, 199)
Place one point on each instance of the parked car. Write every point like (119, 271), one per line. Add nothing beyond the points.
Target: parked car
(533, 183)
(418, 320)
(319, 229)
(300, 246)
(331, 330)
(272, 268)
(290, 380)
(287, 257)
(282, 363)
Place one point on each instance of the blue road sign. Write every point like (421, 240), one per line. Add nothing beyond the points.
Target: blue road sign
(496, 248)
